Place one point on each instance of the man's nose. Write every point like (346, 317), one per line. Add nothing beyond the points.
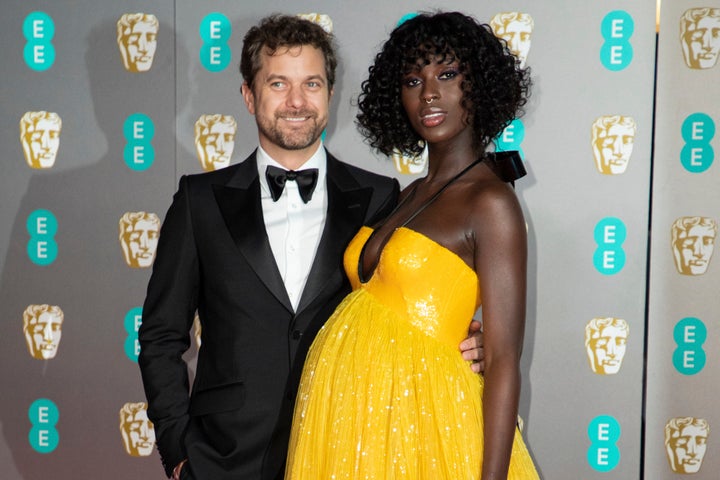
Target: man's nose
(295, 97)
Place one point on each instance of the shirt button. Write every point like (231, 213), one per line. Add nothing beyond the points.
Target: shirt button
(296, 334)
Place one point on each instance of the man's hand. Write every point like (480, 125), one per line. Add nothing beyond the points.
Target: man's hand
(472, 347)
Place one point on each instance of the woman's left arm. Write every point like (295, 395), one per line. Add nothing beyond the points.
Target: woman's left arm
(501, 265)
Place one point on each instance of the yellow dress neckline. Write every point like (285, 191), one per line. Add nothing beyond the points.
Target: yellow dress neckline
(417, 234)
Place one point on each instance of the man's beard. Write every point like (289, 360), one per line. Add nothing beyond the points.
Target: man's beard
(292, 138)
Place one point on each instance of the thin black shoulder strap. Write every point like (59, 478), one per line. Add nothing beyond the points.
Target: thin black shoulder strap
(437, 194)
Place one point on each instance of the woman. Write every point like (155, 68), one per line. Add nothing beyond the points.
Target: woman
(385, 393)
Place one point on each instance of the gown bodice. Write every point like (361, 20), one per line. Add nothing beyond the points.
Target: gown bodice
(422, 281)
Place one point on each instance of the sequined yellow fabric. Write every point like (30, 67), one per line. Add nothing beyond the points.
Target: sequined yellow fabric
(385, 393)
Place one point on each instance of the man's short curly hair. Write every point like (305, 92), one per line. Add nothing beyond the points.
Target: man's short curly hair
(495, 87)
(285, 31)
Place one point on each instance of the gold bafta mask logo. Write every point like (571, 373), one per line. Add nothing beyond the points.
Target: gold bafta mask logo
(215, 140)
(700, 37)
(693, 240)
(137, 431)
(320, 18)
(40, 138)
(515, 28)
(605, 344)
(137, 40)
(408, 164)
(139, 233)
(42, 326)
(613, 137)
(685, 443)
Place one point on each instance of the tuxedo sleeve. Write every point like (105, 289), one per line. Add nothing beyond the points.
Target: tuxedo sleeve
(164, 334)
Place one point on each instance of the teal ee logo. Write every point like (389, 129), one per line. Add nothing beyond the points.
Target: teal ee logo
(133, 320)
(603, 454)
(697, 155)
(406, 17)
(511, 138)
(139, 131)
(689, 357)
(616, 52)
(43, 436)
(38, 30)
(215, 31)
(42, 227)
(609, 234)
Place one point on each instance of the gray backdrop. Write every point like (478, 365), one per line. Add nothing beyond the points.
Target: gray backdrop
(578, 424)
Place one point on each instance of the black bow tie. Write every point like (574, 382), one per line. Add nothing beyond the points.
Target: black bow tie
(306, 180)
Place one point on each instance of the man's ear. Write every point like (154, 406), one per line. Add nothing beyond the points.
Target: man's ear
(249, 97)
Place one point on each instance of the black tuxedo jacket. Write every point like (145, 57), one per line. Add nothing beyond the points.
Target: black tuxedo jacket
(214, 256)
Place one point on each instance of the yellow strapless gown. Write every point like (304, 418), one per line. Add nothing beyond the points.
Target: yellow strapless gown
(385, 393)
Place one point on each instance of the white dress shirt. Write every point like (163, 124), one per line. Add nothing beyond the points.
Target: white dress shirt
(294, 228)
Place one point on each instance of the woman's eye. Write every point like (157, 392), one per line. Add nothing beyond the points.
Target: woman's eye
(411, 82)
(449, 74)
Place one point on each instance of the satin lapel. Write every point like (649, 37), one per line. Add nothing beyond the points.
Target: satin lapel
(239, 203)
(347, 206)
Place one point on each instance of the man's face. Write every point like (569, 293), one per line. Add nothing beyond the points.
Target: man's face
(42, 142)
(217, 146)
(609, 349)
(290, 99)
(695, 248)
(517, 35)
(141, 243)
(614, 147)
(689, 448)
(140, 44)
(702, 43)
(138, 434)
(43, 334)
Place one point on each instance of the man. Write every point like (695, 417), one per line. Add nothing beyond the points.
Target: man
(262, 265)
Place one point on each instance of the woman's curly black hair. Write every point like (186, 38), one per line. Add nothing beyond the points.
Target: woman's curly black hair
(495, 87)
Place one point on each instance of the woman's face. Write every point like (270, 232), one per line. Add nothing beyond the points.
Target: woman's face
(433, 100)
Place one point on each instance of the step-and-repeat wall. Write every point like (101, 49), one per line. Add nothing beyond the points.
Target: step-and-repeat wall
(106, 103)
